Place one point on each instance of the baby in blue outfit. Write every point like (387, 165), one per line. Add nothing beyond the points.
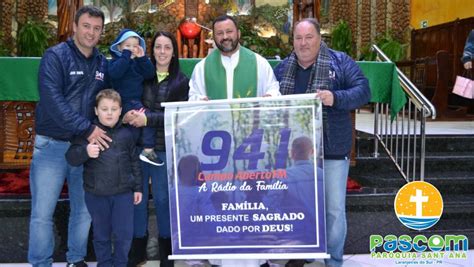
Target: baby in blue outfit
(128, 69)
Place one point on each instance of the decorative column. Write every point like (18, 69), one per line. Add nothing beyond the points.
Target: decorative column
(399, 11)
(365, 23)
(191, 8)
(37, 9)
(381, 16)
(353, 18)
(371, 18)
(6, 14)
(66, 12)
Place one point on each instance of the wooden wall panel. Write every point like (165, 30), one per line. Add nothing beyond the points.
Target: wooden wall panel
(448, 36)
(425, 44)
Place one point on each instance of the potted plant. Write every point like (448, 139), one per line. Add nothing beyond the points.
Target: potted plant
(392, 48)
(32, 39)
(341, 38)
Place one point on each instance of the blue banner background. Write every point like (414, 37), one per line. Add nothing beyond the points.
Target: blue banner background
(235, 184)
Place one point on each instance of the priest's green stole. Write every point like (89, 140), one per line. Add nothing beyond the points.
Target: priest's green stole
(245, 75)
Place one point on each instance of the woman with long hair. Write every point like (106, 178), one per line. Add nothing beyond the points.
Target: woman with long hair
(168, 85)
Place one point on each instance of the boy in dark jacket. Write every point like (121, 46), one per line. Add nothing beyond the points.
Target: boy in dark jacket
(112, 181)
(128, 69)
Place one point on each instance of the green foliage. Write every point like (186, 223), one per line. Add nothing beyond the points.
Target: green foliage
(341, 38)
(266, 47)
(146, 29)
(392, 48)
(226, 4)
(276, 15)
(104, 49)
(366, 53)
(250, 39)
(3, 48)
(32, 39)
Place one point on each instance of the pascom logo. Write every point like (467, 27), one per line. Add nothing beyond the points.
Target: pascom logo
(418, 205)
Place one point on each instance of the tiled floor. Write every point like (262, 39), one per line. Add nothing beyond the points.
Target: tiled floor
(365, 123)
(359, 260)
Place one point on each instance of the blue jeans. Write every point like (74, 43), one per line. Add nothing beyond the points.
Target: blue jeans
(335, 182)
(111, 217)
(159, 188)
(48, 172)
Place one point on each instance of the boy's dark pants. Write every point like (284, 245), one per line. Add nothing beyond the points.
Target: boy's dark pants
(112, 219)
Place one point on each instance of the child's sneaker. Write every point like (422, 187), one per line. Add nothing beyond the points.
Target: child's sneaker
(151, 157)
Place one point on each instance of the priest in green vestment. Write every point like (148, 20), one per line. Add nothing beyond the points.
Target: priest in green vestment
(231, 70)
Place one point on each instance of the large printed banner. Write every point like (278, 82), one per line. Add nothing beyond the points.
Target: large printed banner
(245, 178)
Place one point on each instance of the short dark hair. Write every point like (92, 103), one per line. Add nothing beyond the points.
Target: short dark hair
(223, 18)
(301, 148)
(108, 94)
(312, 21)
(92, 11)
(189, 168)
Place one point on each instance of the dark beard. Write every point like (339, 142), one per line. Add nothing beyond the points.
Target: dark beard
(225, 50)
